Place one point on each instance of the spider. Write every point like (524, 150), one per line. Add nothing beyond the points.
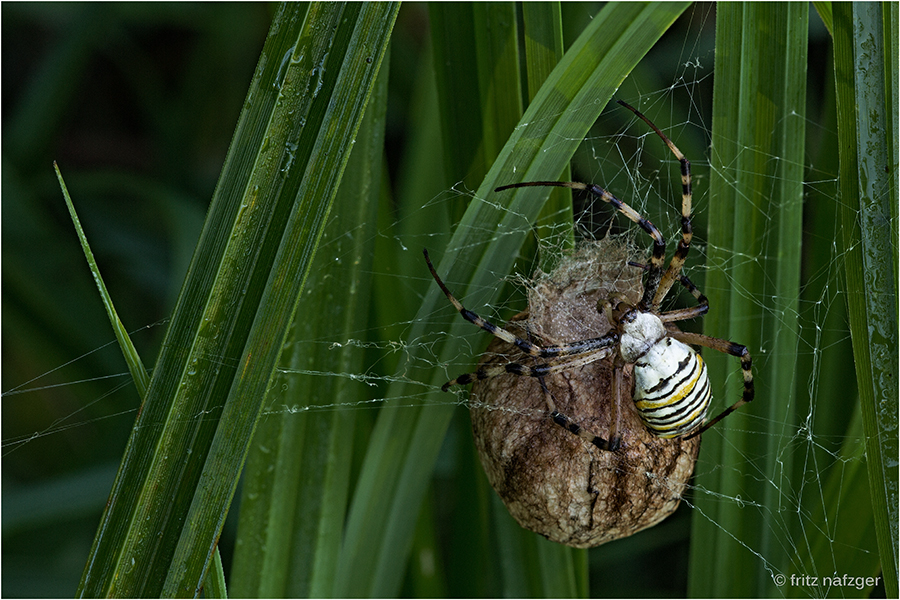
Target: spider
(671, 388)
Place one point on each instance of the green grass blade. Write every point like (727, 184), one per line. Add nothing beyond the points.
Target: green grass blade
(495, 58)
(866, 81)
(851, 544)
(753, 288)
(476, 64)
(129, 352)
(518, 558)
(825, 13)
(497, 62)
(542, 22)
(214, 586)
(168, 503)
(135, 365)
(297, 476)
(405, 442)
(479, 72)
(356, 50)
(840, 501)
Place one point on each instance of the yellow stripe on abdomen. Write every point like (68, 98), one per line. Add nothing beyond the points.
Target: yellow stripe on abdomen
(671, 391)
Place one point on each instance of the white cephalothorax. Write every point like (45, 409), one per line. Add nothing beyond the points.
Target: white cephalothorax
(640, 331)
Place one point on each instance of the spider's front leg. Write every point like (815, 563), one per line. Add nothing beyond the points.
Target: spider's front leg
(682, 314)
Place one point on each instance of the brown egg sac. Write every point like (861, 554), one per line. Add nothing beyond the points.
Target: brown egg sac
(552, 481)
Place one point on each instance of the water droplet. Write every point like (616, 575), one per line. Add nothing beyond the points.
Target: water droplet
(282, 69)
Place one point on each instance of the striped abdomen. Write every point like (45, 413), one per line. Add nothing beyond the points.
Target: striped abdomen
(671, 389)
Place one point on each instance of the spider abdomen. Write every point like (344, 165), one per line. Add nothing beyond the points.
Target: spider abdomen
(671, 388)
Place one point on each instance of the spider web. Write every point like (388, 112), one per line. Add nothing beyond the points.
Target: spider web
(801, 459)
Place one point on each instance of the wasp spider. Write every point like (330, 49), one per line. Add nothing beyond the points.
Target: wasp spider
(671, 387)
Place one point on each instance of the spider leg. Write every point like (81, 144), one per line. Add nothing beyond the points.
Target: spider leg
(682, 314)
(561, 363)
(677, 262)
(618, 388)
(564, 421)
(573, 427)
(655, 270)
(530, 348)
(728, 348)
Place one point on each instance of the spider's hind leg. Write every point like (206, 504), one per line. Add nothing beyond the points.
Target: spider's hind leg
(571, 426)
(563, 358)
(726, 347)
(568, 424)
